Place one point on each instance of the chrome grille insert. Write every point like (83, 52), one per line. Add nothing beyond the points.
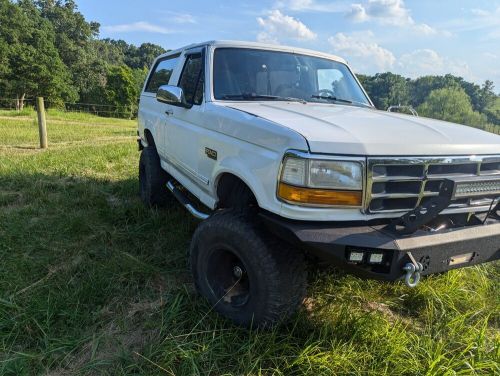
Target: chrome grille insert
(397, 184)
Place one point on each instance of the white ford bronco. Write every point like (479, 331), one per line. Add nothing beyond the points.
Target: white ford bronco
(282, 154)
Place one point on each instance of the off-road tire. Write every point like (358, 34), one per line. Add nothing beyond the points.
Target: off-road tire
(152, 179)
(276, 272)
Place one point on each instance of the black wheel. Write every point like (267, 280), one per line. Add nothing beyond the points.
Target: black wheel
(152, 178)
(248, 275)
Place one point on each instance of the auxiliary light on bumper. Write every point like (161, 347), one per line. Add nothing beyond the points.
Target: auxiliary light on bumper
(358, 256)
(474, 188)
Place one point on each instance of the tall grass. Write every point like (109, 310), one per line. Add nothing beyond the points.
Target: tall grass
(92, 282)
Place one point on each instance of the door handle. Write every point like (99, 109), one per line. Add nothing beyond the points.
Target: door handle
(169, 112)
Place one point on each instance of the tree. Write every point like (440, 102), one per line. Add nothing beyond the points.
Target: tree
(48, 48)
(121, 91)
(451, 104)
(139, 77)
(143, 56)
(34, 65)
(386, 89)
(110, 50)
(4, 64)
(120, 52)
(493, 111)
(74, 36)
(480, 97)
(73, 32)
(487, 96)
(421, 87)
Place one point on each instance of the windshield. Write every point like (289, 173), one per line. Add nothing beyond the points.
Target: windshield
(250, 74)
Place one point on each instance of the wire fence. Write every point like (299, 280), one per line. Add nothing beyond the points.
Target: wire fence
(14, 103)
(104, 110)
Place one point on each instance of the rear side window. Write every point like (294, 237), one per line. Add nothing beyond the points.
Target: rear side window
(192, 79)
(161, 74)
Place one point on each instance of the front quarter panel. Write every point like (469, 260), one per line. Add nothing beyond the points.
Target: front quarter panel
(252, 149)
(248, 147)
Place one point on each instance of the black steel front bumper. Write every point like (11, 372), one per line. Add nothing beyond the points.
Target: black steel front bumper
(434, 250)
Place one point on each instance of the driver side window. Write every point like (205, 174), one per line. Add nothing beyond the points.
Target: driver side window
(192, 79)
(161, 73)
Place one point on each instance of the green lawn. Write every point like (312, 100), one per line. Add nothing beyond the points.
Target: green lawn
(91, 282)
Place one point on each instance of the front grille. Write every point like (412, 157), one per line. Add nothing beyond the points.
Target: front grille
(401, 184)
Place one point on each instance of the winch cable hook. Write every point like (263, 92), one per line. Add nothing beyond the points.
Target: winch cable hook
(413, 270)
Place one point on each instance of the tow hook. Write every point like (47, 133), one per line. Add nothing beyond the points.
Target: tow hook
(413, 270)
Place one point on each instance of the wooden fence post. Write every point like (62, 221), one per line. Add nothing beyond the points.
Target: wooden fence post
(42, 125)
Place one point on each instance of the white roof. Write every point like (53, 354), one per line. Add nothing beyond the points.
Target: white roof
(260, 46)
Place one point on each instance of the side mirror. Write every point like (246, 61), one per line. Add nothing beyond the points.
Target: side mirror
(172, 95)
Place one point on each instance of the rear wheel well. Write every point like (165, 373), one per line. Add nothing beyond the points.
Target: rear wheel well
(232, 192)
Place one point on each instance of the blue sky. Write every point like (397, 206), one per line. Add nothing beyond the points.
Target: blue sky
(412, 38)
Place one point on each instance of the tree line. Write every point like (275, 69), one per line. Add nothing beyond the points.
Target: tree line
(49, 49)
(447, 97)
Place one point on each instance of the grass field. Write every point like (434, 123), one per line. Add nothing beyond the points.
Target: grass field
(91, 282)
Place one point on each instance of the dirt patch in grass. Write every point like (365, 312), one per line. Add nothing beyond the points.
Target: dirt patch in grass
(123, 335)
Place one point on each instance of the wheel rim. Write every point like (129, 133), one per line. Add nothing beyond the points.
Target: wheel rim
(228, 278)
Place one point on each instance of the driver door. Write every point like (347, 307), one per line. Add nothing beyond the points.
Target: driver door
(185, 125)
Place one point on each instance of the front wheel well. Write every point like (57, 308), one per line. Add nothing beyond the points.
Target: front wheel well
(149, 138)
(232, 192)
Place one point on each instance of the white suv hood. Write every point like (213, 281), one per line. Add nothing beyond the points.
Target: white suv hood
(341, 129)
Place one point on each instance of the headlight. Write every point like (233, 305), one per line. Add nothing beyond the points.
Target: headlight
(321, 182)
(294, 171)
(335, 175)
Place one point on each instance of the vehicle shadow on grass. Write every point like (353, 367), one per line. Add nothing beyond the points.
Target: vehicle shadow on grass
(93, 280)
(78, 256)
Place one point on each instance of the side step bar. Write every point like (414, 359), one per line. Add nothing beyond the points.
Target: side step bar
(182, 198)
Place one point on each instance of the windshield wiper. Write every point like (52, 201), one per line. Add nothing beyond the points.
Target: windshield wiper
(335, 99)
(330, 98)
(248, 96)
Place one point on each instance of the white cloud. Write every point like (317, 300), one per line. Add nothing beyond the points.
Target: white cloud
(491, 15)
(477, 19)
(481, 12)
(490, 55)
(277, 25)
(178, 17)
(313, 6)
(183, 18)
(364, 53)
(358, 13)
(489, 19)
(136, 26)
(390, 12)
(428, 62)
(366, 56)
(425, 29)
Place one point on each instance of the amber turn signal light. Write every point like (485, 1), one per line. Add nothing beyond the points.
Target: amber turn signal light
(315, 196)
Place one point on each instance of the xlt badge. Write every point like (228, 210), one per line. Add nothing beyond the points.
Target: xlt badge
(211, 153)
